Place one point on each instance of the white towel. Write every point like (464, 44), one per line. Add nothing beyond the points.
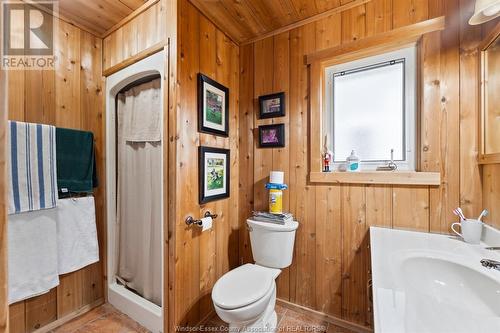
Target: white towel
(141, 107)
(32, 253)
(31, 167)
(76, 234)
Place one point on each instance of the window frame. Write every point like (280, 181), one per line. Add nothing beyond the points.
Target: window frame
(409, 56)
(317, 60)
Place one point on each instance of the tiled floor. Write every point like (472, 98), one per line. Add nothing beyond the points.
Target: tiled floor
(288, 321)
(106, 319)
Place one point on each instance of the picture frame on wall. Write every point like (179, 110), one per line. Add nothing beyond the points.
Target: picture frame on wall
(272, 136)
(214, 173)
(213, 106)
(272, 105)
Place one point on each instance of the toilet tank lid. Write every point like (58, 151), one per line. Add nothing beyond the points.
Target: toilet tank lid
(243, 285)
(288, 226)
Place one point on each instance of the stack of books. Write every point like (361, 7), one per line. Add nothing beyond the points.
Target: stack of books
(272, 218)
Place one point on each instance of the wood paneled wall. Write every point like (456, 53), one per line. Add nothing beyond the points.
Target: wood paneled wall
(491, 193)
(4, 308)
(491, 172)
(331, 265)
(140, 33)
(201, 258)
(69, 96)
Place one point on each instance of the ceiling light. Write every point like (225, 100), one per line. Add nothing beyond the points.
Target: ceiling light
(486, 10)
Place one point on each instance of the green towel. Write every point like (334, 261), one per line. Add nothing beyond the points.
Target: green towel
(75, 161)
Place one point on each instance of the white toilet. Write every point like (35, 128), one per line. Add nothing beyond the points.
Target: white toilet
(245, 297)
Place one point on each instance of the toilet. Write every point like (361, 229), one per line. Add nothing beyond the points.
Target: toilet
(245, 297)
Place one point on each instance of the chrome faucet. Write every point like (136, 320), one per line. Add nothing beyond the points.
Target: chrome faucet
(488, 263)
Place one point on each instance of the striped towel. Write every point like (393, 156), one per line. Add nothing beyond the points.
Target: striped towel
(32, 167)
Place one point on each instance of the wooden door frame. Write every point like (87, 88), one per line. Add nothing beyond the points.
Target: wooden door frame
(4, 304)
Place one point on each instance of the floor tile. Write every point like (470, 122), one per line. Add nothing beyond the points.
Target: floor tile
(78, 322)
(112, 323)
(104, 319)
(280, 312)
(291, 323)
(337, 329)
(304, 318)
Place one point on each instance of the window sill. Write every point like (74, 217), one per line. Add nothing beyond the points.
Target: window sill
(378, 177)
(489, 159)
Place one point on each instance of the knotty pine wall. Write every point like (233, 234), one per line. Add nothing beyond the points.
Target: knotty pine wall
(201, 258)
(491, 172)
(69, 96)
(491, 193)
(331, 265)
(4, 308)
(134, 36)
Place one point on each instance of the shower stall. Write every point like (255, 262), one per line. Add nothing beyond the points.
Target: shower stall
(134, 184)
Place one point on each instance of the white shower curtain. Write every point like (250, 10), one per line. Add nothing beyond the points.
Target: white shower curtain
(139, 179)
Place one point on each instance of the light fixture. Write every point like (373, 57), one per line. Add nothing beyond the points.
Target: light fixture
(486, 10)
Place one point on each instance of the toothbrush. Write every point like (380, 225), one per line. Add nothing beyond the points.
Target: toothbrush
(458, 212)
(461, 213)
(484, 213)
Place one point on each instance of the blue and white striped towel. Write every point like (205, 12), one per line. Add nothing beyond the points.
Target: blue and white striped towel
(32, 167)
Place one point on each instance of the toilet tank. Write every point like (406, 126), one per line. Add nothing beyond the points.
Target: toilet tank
(272, 244)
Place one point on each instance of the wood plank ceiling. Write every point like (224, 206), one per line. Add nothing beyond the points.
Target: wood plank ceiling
(96, 16)
(247, 20)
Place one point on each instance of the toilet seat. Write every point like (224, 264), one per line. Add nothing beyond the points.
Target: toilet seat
(243, 286)
(250, 312)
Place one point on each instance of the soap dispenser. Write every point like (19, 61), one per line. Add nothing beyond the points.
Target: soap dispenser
(353, 162)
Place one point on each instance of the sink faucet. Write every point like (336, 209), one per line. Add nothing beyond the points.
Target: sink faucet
(488, 263)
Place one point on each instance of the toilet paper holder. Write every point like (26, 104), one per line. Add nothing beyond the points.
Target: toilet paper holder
(190, 220)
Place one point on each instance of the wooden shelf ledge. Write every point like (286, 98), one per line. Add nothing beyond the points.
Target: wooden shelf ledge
(378, 177)
(489, 159)
(135, 58)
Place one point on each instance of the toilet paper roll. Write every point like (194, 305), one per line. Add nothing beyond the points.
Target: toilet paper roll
(206, 223)
(277, 177)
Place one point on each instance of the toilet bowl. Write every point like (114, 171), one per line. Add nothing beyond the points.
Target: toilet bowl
(245, 297)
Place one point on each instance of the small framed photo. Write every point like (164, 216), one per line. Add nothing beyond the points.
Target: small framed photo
(214, 173)
(272, 105)
(213, 106)
(272, 136)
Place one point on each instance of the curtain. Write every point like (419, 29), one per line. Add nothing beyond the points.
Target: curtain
(139, 179)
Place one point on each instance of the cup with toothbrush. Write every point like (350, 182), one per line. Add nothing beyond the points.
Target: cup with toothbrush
(471, 229)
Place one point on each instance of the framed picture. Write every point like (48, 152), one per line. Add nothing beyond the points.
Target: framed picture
(272, 105)
(271, 136)
(214, 173)
(213, 106)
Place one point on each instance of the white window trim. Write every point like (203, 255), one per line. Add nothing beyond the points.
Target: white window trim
(410, 56)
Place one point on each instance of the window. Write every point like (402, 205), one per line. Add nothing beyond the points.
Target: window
(371, 106)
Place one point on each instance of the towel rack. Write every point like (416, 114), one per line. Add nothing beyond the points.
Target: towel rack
(190, 220)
